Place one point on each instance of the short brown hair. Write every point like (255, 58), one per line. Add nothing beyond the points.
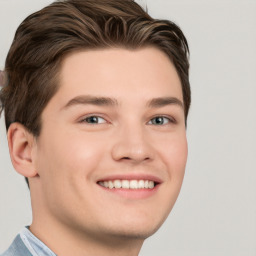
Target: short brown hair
(44, 38)
(47, 36)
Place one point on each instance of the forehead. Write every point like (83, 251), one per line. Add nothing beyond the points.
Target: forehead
(116, 72)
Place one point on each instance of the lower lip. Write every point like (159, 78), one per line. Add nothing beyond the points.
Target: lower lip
(132, 193)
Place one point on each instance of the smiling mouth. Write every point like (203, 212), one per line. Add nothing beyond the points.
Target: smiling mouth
(128, 184)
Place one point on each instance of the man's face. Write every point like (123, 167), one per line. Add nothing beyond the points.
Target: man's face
(116, 121)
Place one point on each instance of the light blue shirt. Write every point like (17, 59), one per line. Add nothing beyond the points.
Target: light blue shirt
(26, 244)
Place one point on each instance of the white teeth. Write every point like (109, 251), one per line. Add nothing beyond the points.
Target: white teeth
(125, 184)
(133, 184)
(128, 184)
(141, 184)
(117, 184)
(110, 184)
(150, 184)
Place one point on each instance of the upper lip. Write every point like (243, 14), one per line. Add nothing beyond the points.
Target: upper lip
(133, 176)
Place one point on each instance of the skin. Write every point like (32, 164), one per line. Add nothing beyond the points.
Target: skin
(72, 213)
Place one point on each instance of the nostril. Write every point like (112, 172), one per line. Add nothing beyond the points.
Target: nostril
(128, 150)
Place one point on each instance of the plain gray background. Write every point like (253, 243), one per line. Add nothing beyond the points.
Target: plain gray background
(216, 211)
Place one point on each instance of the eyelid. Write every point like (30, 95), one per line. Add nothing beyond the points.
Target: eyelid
(83, 119)
(171, 120)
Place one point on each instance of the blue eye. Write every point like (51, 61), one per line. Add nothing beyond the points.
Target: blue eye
(160, 120)
(94, 120)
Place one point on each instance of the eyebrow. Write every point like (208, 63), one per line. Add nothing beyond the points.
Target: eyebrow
(106, 101)
(91, 100)
(161, 102)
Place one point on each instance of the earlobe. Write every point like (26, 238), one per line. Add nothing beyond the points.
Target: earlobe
(21, 145)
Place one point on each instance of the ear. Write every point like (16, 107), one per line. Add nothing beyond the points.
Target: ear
(21, 146)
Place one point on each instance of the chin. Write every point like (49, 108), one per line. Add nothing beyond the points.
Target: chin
(136, 230)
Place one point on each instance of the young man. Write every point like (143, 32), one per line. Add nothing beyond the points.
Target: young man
(96, 97)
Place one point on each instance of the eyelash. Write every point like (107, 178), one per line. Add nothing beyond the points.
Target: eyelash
(169, 120)
(85, 120)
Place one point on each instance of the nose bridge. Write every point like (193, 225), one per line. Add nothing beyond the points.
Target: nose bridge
(132, 143)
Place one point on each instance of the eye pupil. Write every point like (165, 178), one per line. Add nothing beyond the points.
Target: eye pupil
(159, 120)
(92, 119)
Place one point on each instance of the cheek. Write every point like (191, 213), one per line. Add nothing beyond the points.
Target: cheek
(65, 162)
(70, 156)
(174, 154)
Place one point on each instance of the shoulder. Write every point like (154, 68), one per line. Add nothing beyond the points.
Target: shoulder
(17, 248)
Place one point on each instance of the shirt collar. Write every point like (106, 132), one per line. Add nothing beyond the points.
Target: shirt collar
(34, 245)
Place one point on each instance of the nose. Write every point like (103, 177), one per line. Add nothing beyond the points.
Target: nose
(132, 144)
